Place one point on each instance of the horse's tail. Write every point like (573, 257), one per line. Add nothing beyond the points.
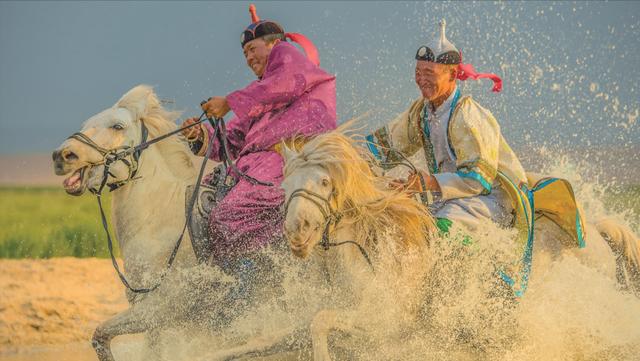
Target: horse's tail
(626, 246)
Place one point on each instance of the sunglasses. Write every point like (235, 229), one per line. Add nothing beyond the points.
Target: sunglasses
(425, 53)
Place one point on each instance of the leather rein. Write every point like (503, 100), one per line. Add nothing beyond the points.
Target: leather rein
(122, 153)
(331, 217)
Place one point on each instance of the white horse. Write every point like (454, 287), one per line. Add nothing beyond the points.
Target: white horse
(376, 240)
(373, 241)
(148, 215)
(338, 210)
(148, 212)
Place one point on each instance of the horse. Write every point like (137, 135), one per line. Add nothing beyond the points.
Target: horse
(376, 240)
(162, 173)
(377, 246)
(148, 212)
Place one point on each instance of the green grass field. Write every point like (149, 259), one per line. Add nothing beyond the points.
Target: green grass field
(46, 222)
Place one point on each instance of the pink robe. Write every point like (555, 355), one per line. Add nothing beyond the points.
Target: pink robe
(294, 97)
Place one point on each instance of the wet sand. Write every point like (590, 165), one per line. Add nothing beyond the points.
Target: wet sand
(49, 308)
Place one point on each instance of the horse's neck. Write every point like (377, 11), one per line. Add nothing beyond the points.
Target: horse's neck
(345, 263)
(149, 214)
(393, 265)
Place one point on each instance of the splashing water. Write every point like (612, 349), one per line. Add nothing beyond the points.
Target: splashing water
(570, 312)
(553, 101)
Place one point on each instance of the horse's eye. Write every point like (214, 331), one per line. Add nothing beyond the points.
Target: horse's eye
(325, 182)
(117, 126)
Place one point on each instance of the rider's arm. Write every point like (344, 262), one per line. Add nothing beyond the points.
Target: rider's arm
(288, 76)
(475, 138)
(401, 135)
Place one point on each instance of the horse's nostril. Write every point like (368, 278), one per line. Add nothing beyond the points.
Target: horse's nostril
(69, 156)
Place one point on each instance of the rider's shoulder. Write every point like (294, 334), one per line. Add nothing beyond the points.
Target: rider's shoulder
(469, 111)
(285, 48)
(468, 107)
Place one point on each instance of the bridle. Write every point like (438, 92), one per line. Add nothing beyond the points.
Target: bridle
(128, 155)
(121, 153)
(331, 217)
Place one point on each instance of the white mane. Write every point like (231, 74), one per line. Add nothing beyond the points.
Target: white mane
(144, 104)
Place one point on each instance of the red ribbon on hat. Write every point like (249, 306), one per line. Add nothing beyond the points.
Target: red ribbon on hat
(254, 14)
(303, 41)
(466, 71)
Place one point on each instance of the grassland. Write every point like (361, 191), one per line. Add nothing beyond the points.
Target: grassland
(46, 222)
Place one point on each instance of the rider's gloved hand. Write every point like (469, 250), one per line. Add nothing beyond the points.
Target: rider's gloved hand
(194, 133)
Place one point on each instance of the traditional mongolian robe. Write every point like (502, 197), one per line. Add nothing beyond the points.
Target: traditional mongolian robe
(293, 98)
(464, 150)
(480, 177)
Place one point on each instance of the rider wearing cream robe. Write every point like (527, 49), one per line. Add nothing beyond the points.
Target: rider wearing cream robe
(462, 142)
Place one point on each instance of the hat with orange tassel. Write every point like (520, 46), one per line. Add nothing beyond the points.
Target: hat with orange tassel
(260, 28)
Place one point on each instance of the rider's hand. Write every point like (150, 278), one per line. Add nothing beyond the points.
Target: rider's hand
(216, 107)
(413, 184)
(194, 133)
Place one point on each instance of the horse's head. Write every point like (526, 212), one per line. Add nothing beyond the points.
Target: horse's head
(325, 179)
(308, 191)
(114, 127)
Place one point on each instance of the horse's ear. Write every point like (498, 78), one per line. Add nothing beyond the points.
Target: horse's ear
(287, 153)
(138, 101)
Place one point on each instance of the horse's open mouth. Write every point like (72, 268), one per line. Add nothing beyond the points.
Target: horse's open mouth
(301, 249)
(76, 183)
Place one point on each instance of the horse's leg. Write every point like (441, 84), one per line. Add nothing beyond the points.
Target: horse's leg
(285, 340)
(127, 322)
(324, 322)
(154, 343)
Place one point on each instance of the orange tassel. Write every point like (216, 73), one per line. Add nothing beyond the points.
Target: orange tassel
(254, 15)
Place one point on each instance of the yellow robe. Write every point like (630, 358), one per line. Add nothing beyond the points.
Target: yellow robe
(483, 160)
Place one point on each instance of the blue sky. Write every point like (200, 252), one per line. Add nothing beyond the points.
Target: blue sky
(571, 70)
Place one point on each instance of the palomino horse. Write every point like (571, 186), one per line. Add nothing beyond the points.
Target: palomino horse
(148, 211)
(375, 244)
(376, 247)
(332, 195)
(375, 240)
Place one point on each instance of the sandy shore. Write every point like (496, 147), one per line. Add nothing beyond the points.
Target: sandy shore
(54, 305)
(49, 309)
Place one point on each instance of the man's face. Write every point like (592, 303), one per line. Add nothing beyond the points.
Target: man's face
(433, 79)
(257, 52)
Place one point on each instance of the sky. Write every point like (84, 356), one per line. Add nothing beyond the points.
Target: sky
(570, 69)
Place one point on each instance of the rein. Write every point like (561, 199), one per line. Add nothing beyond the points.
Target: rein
(111, 156)
(330, 216)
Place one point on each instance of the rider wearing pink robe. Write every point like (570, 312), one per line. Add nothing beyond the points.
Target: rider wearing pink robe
(292, 97)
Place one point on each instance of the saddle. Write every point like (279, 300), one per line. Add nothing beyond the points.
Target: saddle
(211, 192)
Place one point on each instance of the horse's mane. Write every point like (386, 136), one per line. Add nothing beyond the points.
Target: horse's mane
(160, 121)
(362, 197)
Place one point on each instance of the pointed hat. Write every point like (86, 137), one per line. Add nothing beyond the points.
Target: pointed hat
(442, 51)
